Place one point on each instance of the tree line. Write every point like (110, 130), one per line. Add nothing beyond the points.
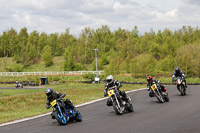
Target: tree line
(120, 51)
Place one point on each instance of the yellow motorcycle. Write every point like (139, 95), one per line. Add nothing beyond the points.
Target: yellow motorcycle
(120, 105)
(161, 96)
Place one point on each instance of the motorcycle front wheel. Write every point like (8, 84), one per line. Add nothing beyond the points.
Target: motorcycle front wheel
(182, 90)
(60, 118)
(117, 109)
(159, 97)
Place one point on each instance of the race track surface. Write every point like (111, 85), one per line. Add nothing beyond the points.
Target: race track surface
(180, 115)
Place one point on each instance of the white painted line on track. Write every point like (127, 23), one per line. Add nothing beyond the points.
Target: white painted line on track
(87, 103)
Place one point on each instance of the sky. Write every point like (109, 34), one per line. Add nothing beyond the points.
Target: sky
(55, 16)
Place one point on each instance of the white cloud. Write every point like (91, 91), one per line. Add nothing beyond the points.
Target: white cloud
(56, 15)
(172, 13)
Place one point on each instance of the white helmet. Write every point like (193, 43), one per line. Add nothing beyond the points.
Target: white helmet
(109, 79)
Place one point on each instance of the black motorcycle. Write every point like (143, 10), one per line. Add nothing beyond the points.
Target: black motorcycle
(120, 105)
(181, 86)
(161, 96)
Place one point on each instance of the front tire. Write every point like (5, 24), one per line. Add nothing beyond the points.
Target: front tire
(60, 118)
(117, 109)
(159, 97)
(182, 90)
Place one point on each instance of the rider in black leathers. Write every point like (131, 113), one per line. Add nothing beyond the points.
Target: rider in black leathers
(112, 83)
(179, 73)
(51, 95)
(152, 81)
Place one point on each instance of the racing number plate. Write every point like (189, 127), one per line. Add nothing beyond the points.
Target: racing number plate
(153, 87)
(53, 103)
(110, 92)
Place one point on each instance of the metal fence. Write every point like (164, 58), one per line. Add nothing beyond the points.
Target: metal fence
(50, 73)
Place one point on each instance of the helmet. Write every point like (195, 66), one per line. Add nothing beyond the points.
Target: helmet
(109, 79)
(149, 79)
(177, 70)
(49, 92)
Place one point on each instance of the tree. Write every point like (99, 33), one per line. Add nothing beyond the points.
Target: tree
(42, 42)
(12, 41)
(167, 64)
(4, 44)
(69, 62)
(47, 56)
(187, 59)
(22, 39)
(53, 42)
(143, 65)
(31, 48)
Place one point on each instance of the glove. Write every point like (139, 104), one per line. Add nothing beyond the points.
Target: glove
(48, 106)
(59, 99)
(105, 93)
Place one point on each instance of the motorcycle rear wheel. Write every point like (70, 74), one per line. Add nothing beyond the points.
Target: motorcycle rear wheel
(130, 109)
(78, 116)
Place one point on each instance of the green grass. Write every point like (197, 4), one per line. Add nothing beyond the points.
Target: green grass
(8, 63)
(37, 78)
(19, 103)
(40, 67)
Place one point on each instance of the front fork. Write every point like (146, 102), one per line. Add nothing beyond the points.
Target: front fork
(115, 100)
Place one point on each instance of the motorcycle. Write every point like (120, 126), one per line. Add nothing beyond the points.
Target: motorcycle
(181, 85)
(64, 115)
(161, 96)
(120, 105)
(19, 85)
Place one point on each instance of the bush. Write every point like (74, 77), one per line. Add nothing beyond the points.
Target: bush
(89, 76)
(54, 78)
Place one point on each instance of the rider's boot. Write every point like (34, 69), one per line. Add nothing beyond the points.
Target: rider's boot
(52, 116)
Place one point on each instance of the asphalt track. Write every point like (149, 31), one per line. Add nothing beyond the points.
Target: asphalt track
(180, 115)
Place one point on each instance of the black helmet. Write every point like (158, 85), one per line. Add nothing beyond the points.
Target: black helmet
(109, 79)
(49, 92)
(177, 70)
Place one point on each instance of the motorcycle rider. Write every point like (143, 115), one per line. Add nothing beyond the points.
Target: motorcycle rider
(18, 84)
(111, 83)
(179, 73)
(51, 96)
(152, 81)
